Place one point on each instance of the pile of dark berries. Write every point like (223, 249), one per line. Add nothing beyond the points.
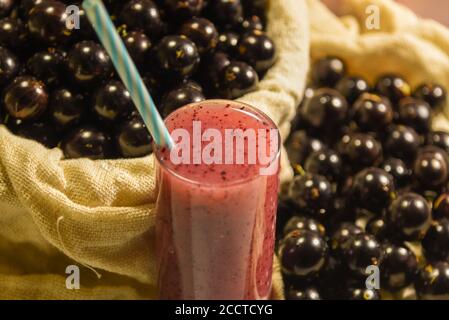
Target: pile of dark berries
(371, 189)
(58, 85)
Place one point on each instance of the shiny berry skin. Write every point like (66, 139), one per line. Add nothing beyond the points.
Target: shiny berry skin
(40, 132)
(303, 253)
(352, 88)
(87, 142)
(13, 33)
(398, 266)
(212, 67)
(441, 207)
(326, 163)
(112, 101)
(327, 108)
(431, 169)
(202, 32)
(361, 251)
(360, 150)
(133, 139)
(184, 9)
(249, 24)
(372, 112)
(177, 56)
(401, 173)
(47, 22)
(439, 139)
(66, 107)
(416, 114)
(372, 189)
(6, 7)
(228, 43)
(142, 15)
(138, 45)
(392, 87)
(379, 228)
(402, 142)
(312, 194)
(193, 85)
(432, 282)
(26, 6)
(326, 72)
(304, 223)
(227, 12)
(237, 79)
(25, 98)
(362, 294)
(88, 63)
(409, 216)
(258, 50)
(300, 146)
(340, 238)
(305, 294)
(179, 97)
(436, 241)
(47, 67)
(432, 93)
(9, 66)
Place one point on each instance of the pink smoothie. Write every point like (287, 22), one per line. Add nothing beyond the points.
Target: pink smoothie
(215, 222)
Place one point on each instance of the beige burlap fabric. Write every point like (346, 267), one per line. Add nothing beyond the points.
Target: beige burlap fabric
(54, 212)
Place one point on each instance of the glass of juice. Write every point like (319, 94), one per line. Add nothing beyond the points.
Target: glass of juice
(216, 207)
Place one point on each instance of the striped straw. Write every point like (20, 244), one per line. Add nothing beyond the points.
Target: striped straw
(101, 22)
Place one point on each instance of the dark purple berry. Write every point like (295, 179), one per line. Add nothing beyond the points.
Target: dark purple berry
(258, 50)
(393, 87)
(87, 142)
(436, 241)
(432, 93)
(25, 98)
(372, 112)
(326, 72)
(88, 63)
(303, 253)
(409, 216)
(416, 114)
(312, 194)
(112, 101)
(352, 88)
(432, 282)
(237, 79)
(372, 189)
(142, 15)
(398, 266)
(133, 138)
(202, 32)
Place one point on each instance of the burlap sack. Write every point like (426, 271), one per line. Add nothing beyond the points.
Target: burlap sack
(55, 213)
(415, 48)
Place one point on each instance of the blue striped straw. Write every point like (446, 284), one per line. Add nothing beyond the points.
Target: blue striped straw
(102, 23)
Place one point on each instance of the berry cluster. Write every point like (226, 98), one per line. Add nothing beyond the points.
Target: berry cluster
(371, 189)
(58, 85)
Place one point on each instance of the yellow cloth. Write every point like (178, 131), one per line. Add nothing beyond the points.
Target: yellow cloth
(56, 212)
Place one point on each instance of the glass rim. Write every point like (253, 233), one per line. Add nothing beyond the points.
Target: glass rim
(255, 110)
